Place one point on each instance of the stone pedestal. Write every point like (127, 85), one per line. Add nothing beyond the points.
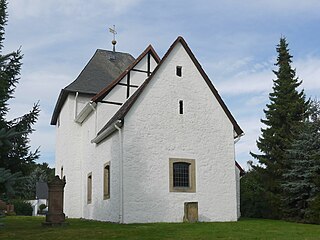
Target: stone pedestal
(55, 215)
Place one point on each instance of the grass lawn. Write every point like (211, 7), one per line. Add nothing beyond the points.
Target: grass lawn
(30, 228)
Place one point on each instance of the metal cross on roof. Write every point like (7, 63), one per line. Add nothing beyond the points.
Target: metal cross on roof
(113, 31)
(114, 42)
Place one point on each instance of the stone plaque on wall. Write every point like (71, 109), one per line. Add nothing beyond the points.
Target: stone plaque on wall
(190, 212)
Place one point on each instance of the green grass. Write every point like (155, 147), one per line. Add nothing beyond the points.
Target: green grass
(30, 228)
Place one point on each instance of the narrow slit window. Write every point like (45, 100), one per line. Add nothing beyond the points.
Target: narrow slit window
(179, 71)
(106, 182)
(89, 188)
(181, 107)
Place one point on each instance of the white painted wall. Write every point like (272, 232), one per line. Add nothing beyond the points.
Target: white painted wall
(154, 131)
(104, 112)
(78, 156)
(68, 156)
(94, 158)
(118, 93)
(137, 78)
(238, 192)
(82, 100)
(36, 204)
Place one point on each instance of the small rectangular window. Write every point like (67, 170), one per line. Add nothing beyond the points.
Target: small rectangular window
(106, 181)
(182, 175)
(89, 188)
(181, 107)
(179, 71)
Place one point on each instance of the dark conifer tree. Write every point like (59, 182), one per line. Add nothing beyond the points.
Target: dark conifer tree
(17, 155)
(301, 182)
(284, 116)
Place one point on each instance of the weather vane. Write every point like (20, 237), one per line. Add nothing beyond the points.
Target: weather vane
(114, 32)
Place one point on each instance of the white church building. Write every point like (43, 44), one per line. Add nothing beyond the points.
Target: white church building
(146, 140)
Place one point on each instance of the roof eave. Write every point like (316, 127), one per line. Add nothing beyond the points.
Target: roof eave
(88, 108)
(107, 132)
(242, 172)
(61, 99)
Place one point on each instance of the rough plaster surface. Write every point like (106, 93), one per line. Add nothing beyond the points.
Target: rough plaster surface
(238, 191)
(153, 132)
(78, 156)
(68, 156)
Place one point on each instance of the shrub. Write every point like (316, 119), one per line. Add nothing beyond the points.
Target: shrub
(3, 205)
(313, 211)
(42, 207)
(22, 207)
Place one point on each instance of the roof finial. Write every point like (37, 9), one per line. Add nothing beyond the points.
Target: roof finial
(114, 32)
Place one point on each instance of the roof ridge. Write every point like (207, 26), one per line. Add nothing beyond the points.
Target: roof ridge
(100, 49)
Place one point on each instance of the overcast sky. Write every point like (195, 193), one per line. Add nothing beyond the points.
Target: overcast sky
(233, 40)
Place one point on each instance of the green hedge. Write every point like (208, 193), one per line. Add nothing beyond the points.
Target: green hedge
(22, 207)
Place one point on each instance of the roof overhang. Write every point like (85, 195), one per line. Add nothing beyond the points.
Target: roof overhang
(107, 132)
(61, 100)
(88, 108)
(242, 172)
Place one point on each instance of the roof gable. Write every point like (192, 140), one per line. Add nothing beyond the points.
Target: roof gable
(120, 114)
(148, 51)
(101, 70)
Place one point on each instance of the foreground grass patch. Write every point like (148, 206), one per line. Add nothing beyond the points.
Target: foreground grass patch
(29, 228)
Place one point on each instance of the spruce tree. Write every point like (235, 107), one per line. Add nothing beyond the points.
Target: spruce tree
(15, 156)
(284, 115)
(301, 185)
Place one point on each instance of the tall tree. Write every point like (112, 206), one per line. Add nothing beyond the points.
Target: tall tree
(302, 180)
(17, 155)
(40, 173)
(284, 115)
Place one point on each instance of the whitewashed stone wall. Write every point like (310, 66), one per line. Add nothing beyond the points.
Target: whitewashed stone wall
(94, 159)
(238, 191)
(68, 156)
(154, 131)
